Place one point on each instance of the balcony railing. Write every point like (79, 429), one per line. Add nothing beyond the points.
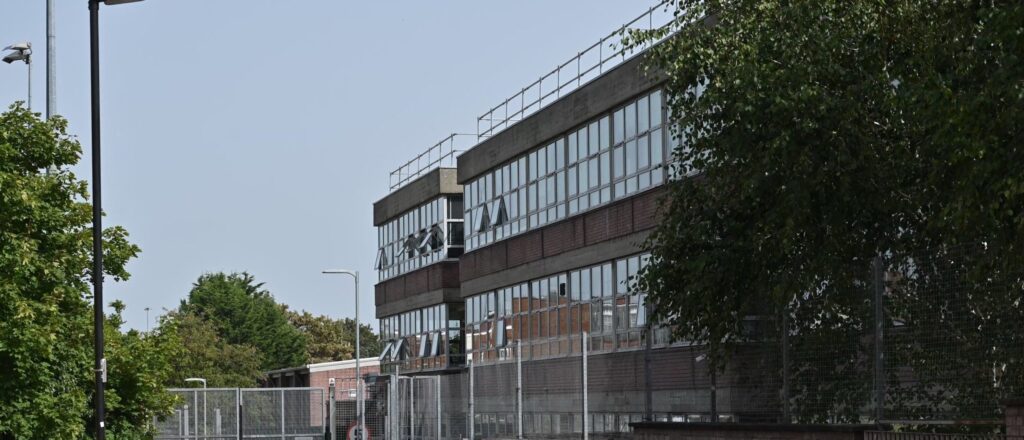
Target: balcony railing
(442, 154)
(588, 64)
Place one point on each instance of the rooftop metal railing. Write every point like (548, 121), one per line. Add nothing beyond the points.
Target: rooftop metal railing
(578, 70)
(587, 65)
(442, 154)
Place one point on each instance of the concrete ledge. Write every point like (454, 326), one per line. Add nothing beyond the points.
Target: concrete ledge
(435, 183)
(418, 301)
(602, 94)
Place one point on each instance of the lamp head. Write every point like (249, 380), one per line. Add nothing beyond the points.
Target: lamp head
(20, 52)
(16, 56)
(23, 46)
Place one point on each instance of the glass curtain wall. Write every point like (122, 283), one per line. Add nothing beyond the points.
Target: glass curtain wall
(550, 314)
(611, 157)
(422, 339)
(425, 235)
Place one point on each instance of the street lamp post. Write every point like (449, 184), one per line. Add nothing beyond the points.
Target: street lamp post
(100, 363)
(22, 52)
(359, 391)
(199, 379)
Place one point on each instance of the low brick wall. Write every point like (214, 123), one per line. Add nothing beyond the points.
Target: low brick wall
(722, 431)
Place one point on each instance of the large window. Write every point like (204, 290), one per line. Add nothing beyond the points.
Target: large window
(611, 157)
(549, 315)
(590, 166)
(496, 204)
(639, 150)
(429, 337)
(425, 235)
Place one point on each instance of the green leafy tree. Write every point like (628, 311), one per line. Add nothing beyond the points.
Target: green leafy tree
(45, 262)
(368, 339)
(244, 313)
(139, 365)
(820, 134)
(199, 351)
(330, 339)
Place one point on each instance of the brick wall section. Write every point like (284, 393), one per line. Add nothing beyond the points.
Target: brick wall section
(1014, 418)
(724, 431)
(525, 248)
(619, 219)
(436, 276)
(645, 210)
(558, 238)
(344, 379)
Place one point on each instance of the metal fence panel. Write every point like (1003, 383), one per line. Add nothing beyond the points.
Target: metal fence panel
(275, 413)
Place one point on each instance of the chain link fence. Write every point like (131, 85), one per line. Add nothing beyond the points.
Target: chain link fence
(260, 413)
(930, 339)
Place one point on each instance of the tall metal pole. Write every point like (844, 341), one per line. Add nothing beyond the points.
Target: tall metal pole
(360, 410)
(51, 61)
(359, 376)
(29, 62)
(97, 219)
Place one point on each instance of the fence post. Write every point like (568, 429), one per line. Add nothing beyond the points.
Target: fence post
(241, 407)
(437, 403)
(394, 408)
(412, 408)
(184, 413)
(878, 272)
(586, 409)
(648, 396)
(519, 389)
(472, 409)
(282, 415)
(714, 393)
(785, 366)
(331, 422)
(217, 429)
(195, 408)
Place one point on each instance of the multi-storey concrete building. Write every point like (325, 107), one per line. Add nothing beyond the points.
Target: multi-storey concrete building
(529, 244)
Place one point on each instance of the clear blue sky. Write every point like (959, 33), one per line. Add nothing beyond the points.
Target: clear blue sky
(254, 135)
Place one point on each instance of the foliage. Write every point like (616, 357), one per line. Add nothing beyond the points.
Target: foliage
(45, 262)
(820, 134)
(199, 351)
(244, 313)
(332, 340)
(138, 367)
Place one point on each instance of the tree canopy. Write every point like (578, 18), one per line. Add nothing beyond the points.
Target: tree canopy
(827, 133)
(245, 313)
(46, 377)
(200, 351)
(332, 339)
(820, 134)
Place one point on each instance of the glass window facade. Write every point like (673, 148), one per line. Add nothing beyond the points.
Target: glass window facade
(549, 315)
(426, 338)
(611, 157)
(420, 237)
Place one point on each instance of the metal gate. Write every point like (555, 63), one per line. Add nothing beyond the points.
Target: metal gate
(427, 408)
(250, 413)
